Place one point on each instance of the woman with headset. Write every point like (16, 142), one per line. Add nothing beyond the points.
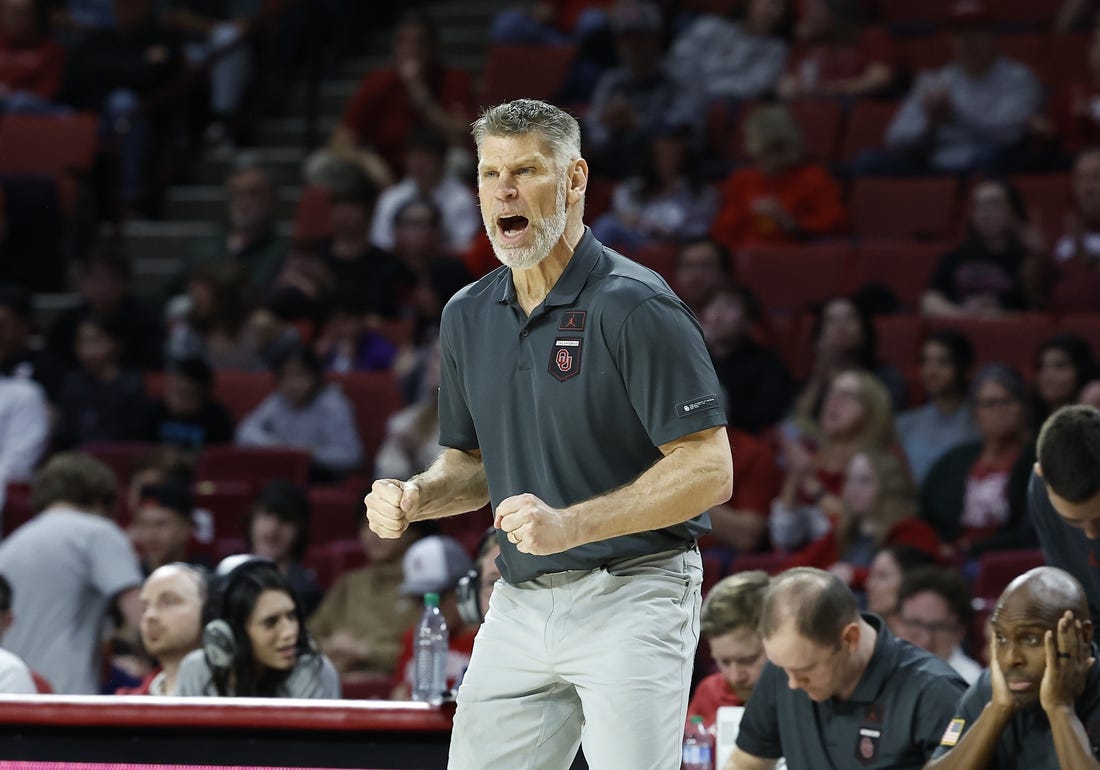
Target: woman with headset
(256, 644)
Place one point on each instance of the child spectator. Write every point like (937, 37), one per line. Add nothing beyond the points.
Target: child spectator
(186, 416)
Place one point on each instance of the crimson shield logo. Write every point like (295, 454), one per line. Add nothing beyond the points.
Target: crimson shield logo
(565, 358)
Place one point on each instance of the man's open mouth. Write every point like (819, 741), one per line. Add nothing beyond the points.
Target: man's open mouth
(512, 227)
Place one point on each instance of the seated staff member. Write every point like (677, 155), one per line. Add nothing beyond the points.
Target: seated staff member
(839, 690)
(1038, 705)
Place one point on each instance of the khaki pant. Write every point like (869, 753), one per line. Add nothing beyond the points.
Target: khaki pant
(601, 658)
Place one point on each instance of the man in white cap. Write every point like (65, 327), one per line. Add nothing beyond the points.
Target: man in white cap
(434, 565)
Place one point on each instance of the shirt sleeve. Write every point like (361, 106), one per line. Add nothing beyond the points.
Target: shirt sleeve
(673, 388)
(934, 711)
(967, 711)
(456, 424)
(759, 733)
(15, 677)
(113, 565)
(194, 676)
(910, 123)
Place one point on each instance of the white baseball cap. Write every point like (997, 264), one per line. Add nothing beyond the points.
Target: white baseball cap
(434, 564)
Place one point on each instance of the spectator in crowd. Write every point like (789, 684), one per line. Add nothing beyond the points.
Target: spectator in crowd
(112, 72)
(415, 90)
(734, 60)
(843, 337)
(101, 400)
(186, 415)
(701, 267)
(836, 54)
(348, 341)
(1076, 106)
(363, 616)
(1063, 496)
(633, 100)
(247, 238)
(161, 524)
(945, 420)
(730, 621)
(971, 115)
(214, 34)
(839, 684)
(68, 566)
(426, 176)
(434, 276)
(854, 417)
(741, 523)
(974, 496)
(548, 22)
(19, 359)
(996, 268)
(1074, 280)
(1031, 707)
(1063, 365)
(103, 283)
(15, 677)
(307, 413)
(934, 613)
(277, 529)
(354, 262)
(665, 201)
(758, 388)
(31, 61)
(157, 466)
(434, 564)
(878, 509)
(779, 197)
(411, 442)
(24, 430)
(171, 624)
(256, 644)
(888, 571)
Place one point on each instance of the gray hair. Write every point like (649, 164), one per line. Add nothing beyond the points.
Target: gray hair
(557, 128)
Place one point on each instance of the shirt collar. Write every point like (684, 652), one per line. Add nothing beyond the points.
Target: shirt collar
(572, 280)
(881, 666)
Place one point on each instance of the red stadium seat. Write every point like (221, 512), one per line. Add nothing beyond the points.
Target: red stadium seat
(1066, 56)
(916, 12)
(1012, 339)
(899, 338)
(821, 122)
(597, 198)
(1026, 12)
(17, 506)
(768, 561)
(1048, 198)
(256, 465)
(905, 208)
(120, 456)
(531, 71)
(312, 216)
(905, 267)
(996, 569)
(659, 257)
(792, 278)
(241, 392)
(1028, 48)
(926, 52)
(334, 514)
(228, 502)
(865, 127)
(367, 687)
(62, 147)
(1084, 325)
(375, 397)
(346, 555)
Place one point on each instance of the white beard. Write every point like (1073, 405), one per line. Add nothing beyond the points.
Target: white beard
(544, 234)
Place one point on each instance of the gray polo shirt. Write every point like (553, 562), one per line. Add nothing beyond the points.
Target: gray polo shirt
(574, 401)
(894, 718)
(1026, 743)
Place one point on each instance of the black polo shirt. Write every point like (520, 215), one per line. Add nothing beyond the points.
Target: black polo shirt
(574, 401)
(894, 718)
(1026, 743)
(1065, 547)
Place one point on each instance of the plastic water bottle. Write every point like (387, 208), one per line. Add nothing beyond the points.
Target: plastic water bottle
(698, 746)
(430, 653)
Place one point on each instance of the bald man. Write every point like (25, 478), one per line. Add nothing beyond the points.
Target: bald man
(839, 690)
(1038, 705)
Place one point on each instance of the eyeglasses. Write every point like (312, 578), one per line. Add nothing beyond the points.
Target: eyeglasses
(915, 624)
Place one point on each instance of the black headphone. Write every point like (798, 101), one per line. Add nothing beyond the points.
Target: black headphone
(468, 588)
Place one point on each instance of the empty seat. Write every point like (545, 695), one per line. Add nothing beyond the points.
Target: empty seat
(375, 397)
(905, 208)
(1012, 339)
(241, 392)
(899, 338)
(530, 71)
(120, 456)
(792, 278)
(996, 569)
(62, 147)
(334, 514)
(904, 267)
(865, 127)
(228, 502)
(255, 465)
(821, 122)
(1048, 198)
(659, 257)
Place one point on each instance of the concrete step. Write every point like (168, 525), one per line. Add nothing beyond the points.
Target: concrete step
(284, 164)
(291, 131)
(207, 203)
